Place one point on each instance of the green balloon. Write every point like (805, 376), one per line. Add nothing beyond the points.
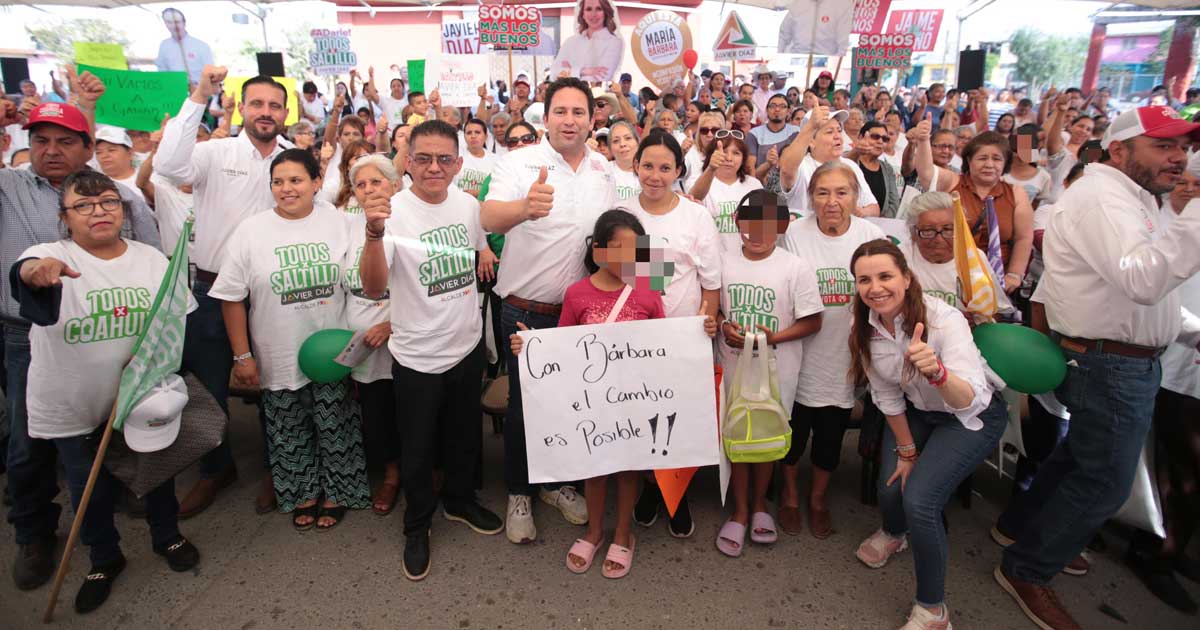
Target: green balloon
(318, 352)
(1030, 362)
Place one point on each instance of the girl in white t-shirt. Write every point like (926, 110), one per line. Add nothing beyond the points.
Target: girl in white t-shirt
(288, 262)
(764, 289)
(623, 142)
(477, 161)
(89, 296)
(724, 182)
(1025, 171)
(694, 247)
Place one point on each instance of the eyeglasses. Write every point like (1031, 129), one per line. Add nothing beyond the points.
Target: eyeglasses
(707, 131)
(928, 234)
(725, 133)
(945, 147)
(305, 132)
(529, 138)
(88, 208)
(879, 137)
(601, 103)
(777, 105)
(424, 159)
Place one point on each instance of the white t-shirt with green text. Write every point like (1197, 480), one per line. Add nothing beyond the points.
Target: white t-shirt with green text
(431, 279)
(722, 202)
(474, 170)
(363, 312)
(824, 380)
(628, 185)
(694, 248)
(292, 272)
(773, 292)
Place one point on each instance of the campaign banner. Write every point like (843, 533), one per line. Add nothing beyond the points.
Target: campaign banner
(658, 42)
(734, 41)
(884, 50)
(331, 52)
(869, 16)
(138, 100)
(461, 37)
(459, 77)
(504, 25)
(606, 398)
(923, 23)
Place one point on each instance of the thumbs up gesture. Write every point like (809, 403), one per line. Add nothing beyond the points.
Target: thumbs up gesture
(710, 324)
(515, 341)
(922, 356)
(540, 199)
(718, 158)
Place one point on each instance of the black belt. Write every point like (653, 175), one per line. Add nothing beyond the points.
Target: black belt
(205, 276)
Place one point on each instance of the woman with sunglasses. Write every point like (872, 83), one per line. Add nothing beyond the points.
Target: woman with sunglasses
(88, 296)
(520, 135)
(726, 179)
(708, 126)
(623, 142)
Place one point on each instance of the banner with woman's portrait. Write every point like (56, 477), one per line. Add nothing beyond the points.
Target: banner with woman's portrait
(592, 47)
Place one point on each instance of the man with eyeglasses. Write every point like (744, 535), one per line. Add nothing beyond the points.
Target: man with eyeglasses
(883, 180)
(707, 126)
(60, 144)
(420, 249)
(766, 142)
(545, 199)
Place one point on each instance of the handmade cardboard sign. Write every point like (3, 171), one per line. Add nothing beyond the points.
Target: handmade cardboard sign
(658, 43)
(604, 398)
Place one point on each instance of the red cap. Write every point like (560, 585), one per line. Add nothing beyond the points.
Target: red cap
(825, 73)
(1152, 122)
(61, 114)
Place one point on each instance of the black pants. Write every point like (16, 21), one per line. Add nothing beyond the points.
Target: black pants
(1177, 462)
(442, 416)
(381, 435)
(828, 428)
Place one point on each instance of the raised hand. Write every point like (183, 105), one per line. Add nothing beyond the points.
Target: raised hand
(156, 136)
(719, 158)
(514, 340)
(91, 88)
(46, 272)
(210, 83)
(377, 209)
(921, 355)
(540, 198)
(924, 128)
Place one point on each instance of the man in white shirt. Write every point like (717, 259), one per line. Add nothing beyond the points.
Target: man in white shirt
(1109, 287)
(181, 52)
(545, 199)
(230, 180)
(313, 104)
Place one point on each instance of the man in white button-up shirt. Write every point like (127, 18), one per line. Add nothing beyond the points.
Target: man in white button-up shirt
(1109, 288)
(231, 180)
(181, 52)
(545, 199)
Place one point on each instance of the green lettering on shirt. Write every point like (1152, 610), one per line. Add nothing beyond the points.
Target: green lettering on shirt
(114, 313)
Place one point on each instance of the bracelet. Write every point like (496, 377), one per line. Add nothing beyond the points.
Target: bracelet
(908, 458)
(941, 377)
(906, 448)
(238, 358)
(1019, 276)
(373, 235)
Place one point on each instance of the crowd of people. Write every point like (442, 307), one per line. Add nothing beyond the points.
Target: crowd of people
(440, 232)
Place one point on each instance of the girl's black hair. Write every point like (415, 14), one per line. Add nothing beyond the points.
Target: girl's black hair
(606, 227)
(301, 157)
(657, 137)
(476, 121)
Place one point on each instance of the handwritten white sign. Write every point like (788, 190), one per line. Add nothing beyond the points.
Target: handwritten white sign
(605, 398)
(459, 77)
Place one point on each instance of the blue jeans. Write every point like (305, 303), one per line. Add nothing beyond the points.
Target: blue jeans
(1089, 475)
(208, 355)
(516, 464)
(32, 474)
(99, 532)
(950, 452)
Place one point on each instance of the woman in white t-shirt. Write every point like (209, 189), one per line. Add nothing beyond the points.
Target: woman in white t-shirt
(944, 418)
(824, 396)
(764, 289)
(373, 175)
(89, 296)
(694, 246)
(288, 263)
(1025, 172)
(623, 142)
(725, 181)
(477, 161)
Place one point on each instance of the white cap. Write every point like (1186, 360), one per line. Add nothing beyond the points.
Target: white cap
(113, 135)
(839, 115)
(153, 424)
(535, 115)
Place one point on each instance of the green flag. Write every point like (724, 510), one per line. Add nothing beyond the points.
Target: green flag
(416, 75)
(159, 349)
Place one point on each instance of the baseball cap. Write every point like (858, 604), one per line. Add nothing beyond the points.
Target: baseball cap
(625, 76)
(519, 81)
(153, 423)
(603, 133)
(1150, 121)
(535, 115)
(113, 135)
(61, 114)
(825, 73)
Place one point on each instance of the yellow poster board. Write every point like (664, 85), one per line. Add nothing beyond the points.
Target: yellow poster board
(233, 85)
(110, 56)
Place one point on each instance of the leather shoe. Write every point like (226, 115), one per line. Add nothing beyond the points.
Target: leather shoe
(181, 555)
(34, 564)
(97, 585)
(205, 492)
(416, 557)
(1039, 603)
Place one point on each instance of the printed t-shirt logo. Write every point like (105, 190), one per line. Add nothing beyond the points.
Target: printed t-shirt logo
(354, 280)
(724, 218)
(625, 192)
(945, 296)
(450, 260)
(837, 287)
(471, 179)
(305, 273)
(751, 305)
(113, 314)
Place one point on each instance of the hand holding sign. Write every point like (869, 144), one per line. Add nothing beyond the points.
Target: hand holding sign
(540, 199)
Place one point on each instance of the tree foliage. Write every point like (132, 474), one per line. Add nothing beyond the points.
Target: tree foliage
(1043, 59)
(59, 38)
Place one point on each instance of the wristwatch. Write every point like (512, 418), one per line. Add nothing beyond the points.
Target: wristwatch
(238, 358)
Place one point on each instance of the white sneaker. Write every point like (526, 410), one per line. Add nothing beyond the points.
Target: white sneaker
(518, 526)
(921, 619)
(568, 501)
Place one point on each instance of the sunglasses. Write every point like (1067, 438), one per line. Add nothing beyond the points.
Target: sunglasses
(707, 131)
(879, 137)
(528, 138)
(725, 133)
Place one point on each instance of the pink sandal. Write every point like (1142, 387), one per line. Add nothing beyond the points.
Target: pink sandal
(582, 549)
(619, 555)
(762, 529)
(732, 538)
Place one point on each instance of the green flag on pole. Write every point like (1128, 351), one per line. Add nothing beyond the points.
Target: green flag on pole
(159, 349)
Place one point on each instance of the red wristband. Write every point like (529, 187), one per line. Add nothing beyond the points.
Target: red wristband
(942, 376)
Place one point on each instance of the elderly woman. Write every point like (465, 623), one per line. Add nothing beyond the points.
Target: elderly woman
(303, 134)
(88, 296)
(986, 159)
(825, 239)
(288, 262)
(373, 175)
(345, 200)
(924, 372)
(819, 142)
